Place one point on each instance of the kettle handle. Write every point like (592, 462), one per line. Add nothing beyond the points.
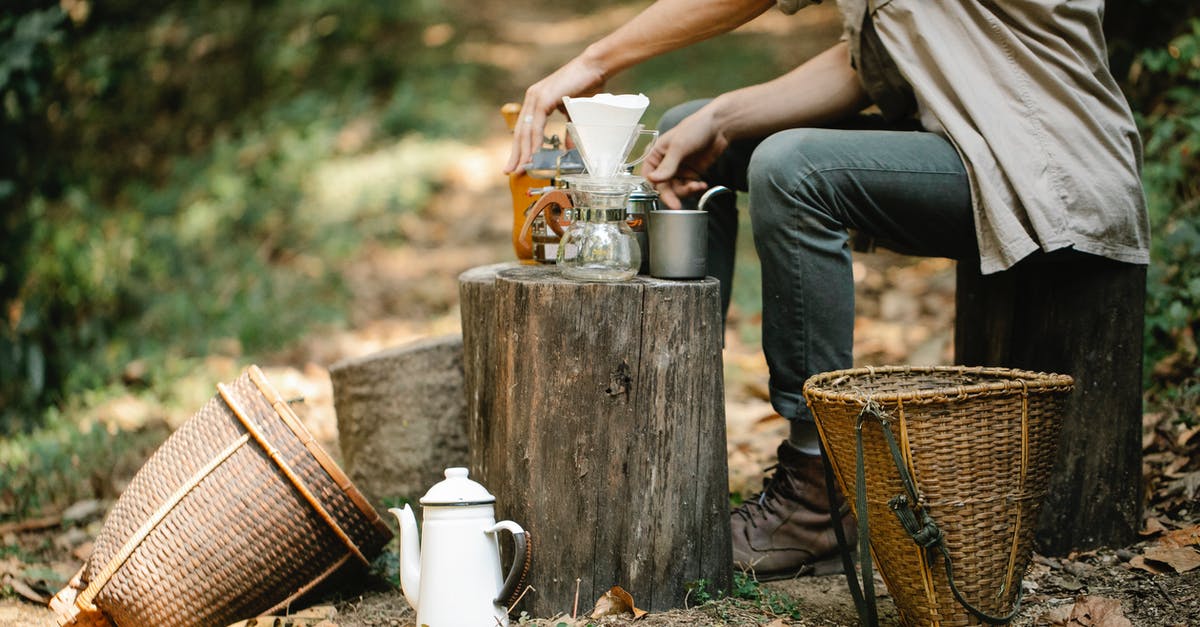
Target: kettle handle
(519, 570)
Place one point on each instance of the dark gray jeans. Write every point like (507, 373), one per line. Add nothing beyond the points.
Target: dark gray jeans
(808, 188)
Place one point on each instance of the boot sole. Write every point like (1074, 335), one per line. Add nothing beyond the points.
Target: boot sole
(828, 566)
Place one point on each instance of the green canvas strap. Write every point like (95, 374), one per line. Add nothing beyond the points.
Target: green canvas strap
(915, 520)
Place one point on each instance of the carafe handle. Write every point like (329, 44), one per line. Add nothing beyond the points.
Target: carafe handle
(519, 570)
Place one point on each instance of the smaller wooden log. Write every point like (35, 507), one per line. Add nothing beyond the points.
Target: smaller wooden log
(401, 417)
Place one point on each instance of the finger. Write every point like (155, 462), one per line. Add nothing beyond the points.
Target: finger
(523, 135)
(517, 154)
(653, 160)
(514, 153)
(665, 169)
(535, 120)
(667, 196)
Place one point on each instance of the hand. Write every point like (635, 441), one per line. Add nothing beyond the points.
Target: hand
(577, 78)
(682, 155)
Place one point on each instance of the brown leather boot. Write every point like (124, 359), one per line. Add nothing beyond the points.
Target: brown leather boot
(785, 531)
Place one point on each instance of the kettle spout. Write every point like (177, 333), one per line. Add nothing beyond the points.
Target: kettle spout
(410, 554)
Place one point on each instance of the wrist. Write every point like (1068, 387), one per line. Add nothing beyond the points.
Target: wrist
(599, 60)
(722, 115)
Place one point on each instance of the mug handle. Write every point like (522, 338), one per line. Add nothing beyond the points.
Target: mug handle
(519, 569)
(524, 240)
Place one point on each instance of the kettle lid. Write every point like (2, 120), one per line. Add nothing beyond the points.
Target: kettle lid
(457, 489)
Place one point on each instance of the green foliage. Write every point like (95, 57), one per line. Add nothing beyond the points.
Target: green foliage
(25, 65)
(1171, 128)
(748, 593)
(698, 592)
(62, 463)
(157, 162)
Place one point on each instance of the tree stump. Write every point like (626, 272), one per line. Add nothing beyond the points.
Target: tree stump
(596, 416)
(1080, 315)
(401, 417)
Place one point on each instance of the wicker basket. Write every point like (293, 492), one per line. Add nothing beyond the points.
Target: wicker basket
(239, 513)
(979, 444)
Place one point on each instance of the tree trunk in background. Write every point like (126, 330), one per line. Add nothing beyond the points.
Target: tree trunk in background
(1079, 315)
(401, 417)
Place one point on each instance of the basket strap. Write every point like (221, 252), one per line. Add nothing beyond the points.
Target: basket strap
(864, 604)
(914, 518)
(85, 598)
(276, 457)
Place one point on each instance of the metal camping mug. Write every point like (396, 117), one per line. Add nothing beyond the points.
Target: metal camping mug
(679, 240)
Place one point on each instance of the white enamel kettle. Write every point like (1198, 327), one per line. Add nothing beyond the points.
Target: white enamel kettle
(452, 576)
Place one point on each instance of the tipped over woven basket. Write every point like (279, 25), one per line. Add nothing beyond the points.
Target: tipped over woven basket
(979, 444)
(239, 513)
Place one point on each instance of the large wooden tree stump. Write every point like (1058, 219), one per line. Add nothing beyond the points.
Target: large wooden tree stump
(596, 417)
(1079, 315)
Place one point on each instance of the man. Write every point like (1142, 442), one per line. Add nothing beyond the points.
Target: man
(1001, 134)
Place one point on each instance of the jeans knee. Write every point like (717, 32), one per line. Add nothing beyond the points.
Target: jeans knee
(676, 114)
(785, 171)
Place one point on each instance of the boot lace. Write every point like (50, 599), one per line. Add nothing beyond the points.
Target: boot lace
(777, 490)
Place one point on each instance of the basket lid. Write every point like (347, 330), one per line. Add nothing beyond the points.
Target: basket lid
(457, 489)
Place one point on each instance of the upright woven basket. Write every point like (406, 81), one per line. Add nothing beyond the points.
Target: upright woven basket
(979, 443)
(239, 513)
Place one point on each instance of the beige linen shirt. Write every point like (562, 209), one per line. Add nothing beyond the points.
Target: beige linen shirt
(1023, 91)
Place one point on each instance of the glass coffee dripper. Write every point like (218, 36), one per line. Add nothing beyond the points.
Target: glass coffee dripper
(599, 245)
(604, 147)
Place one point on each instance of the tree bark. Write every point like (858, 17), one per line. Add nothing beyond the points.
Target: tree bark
(401, 417)
(596, 417)
(1080, 315)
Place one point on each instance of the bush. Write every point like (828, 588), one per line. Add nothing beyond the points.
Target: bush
(153, 162)
(1171, 127)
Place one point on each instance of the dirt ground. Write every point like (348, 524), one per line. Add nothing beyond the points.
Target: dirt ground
(904, 315)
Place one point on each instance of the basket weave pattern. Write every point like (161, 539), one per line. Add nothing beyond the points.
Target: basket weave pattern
(980, 444)
(238, 513)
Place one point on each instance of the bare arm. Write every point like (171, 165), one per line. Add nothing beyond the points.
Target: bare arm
(823, 89)
(664, 26)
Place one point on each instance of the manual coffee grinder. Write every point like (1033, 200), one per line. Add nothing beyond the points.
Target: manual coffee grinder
(599, 244)
(539, 214)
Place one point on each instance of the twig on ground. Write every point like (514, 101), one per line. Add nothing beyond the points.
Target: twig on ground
(519, 597)
(575, 608)
(1163, 590)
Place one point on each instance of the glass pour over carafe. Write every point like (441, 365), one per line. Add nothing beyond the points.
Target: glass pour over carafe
(599, 245)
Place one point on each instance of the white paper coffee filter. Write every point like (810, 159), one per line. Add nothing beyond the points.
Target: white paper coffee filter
(604, 148)
(607, 109)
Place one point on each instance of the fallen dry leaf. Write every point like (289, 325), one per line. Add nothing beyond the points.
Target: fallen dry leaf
(616, 601)
(1092, 611)
(1181, 559)
(1186, 436)
(1153, 527)
(32, 524)
(1181, 537)
(778, 622)
(1172, 469)
(1139, 562)
(26, 592)
(1057, 617)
